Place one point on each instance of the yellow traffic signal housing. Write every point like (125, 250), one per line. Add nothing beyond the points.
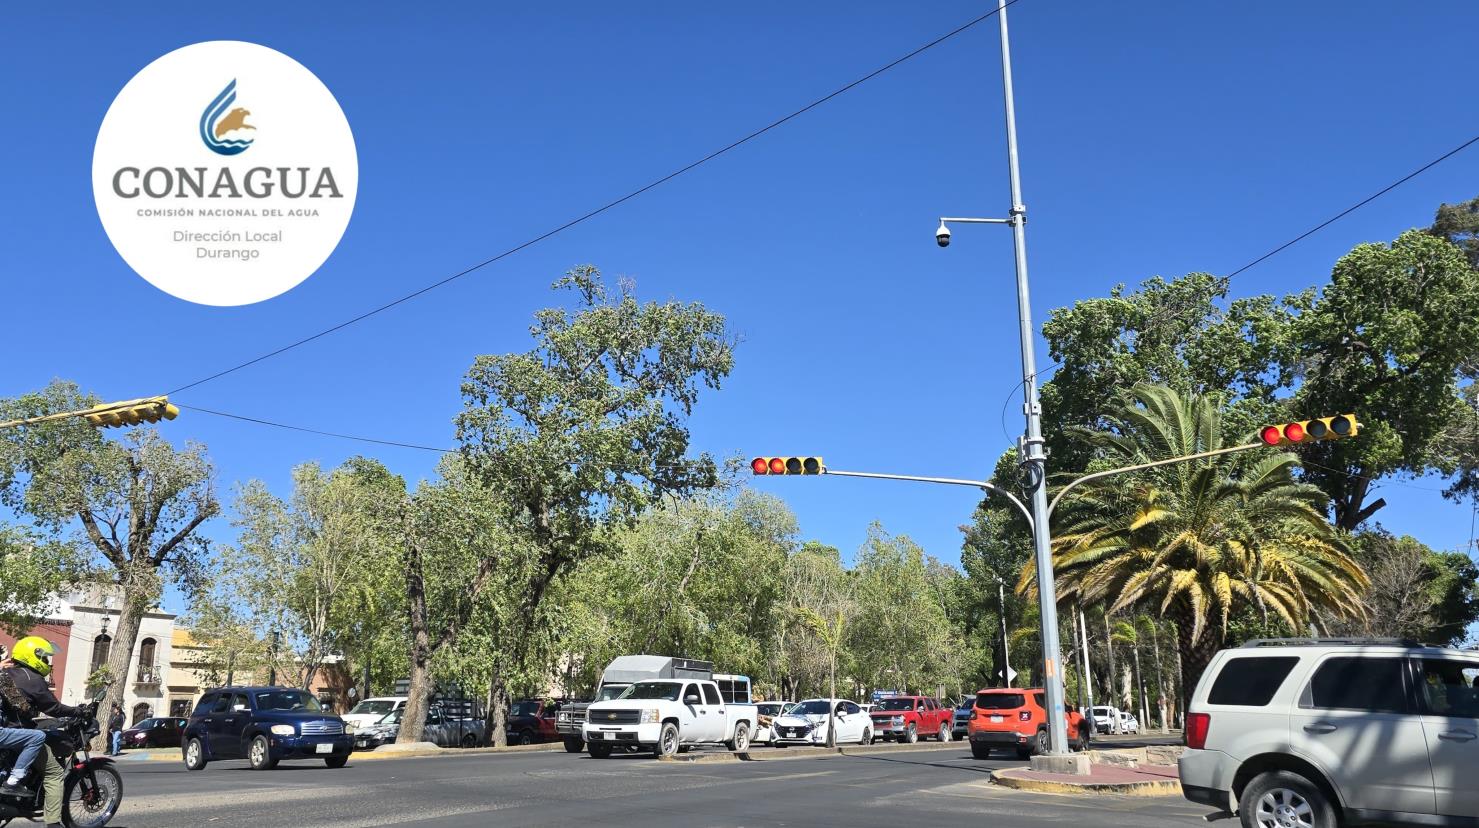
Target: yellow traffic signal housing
(787, 465)
(133, 412)
(1308, 431)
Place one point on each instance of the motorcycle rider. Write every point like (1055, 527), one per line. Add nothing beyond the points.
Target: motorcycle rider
(30, 664)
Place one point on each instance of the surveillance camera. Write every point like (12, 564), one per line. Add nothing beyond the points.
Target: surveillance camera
(942, 236)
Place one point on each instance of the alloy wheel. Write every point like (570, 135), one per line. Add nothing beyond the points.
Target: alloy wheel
(1283, 808)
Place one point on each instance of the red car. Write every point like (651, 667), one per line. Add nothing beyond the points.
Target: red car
(531, 721)
(908, 718)
(1017, 718)
(156, 732)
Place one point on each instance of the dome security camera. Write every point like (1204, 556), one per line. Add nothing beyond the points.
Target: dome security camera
(942, 236)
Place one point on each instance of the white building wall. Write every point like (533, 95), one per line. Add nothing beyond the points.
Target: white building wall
(145, 689)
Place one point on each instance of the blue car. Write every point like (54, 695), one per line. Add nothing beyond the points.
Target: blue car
(263, 725)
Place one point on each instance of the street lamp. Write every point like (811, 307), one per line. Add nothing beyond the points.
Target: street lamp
(1031, 445)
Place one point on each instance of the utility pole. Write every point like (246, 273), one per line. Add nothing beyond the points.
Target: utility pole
(1034, 467)
(1083, 636)
(1006, 657)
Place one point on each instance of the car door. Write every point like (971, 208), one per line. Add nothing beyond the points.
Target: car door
(1356, 721)
(715, 713)
(231, 716)
(850, 722)
(436, 727)
(1449, 691)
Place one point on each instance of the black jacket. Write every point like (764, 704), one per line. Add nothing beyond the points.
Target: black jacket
(116, 721)
(37, 695)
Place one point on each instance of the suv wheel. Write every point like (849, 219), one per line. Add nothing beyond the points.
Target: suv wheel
(1280, 799)
(260, 754)
(194, 755)
(913, 735)
(1083, 739)
(1039, 744)
(336, 761)
(980, 750)
(667, 741)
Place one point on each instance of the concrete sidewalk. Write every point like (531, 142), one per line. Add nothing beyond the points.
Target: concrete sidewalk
(1144, 780)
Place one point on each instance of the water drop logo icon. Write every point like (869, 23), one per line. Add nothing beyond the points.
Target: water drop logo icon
(223, 128)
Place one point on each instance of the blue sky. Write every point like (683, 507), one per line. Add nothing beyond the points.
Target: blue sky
(1157, 138)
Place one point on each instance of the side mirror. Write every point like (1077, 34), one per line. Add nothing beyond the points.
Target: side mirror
(690, 699)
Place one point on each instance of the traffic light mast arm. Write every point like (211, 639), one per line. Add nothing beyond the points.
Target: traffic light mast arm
(1139, 466)
(975, 484)
(126, 405)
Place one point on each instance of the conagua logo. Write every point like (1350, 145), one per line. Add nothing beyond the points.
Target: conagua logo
(215, 224)
(223, 128)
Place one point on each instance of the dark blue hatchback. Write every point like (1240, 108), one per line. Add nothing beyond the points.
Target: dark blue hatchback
(263, 725)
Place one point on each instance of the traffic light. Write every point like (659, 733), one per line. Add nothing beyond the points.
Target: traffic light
(133, 412)
(787, 465)
(1308, 431)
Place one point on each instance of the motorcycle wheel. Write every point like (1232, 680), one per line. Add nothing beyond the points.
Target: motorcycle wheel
(91, 797)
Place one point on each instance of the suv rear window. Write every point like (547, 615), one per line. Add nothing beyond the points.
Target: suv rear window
(1000, 701)
(1353, 683)
(1250, 682)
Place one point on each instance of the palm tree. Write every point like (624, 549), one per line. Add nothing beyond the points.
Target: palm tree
(1198, 541)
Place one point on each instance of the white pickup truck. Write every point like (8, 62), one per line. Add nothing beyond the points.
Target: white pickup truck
(663, 715)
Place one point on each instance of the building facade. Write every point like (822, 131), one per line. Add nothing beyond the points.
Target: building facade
(93, 617)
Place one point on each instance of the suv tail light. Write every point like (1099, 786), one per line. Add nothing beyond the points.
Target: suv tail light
(1197, 725)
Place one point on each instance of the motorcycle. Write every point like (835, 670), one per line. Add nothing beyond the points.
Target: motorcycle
(92, 789)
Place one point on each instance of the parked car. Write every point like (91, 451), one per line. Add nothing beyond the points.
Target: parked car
(156, 732)
(1107, 718)
(530, 721)
(765, 715)
(961, 726)
(1327, 732)
(909, 718)
(805, 723)
(1012, 718)
(264, 725)
(615, 679)
(373, 711)
(1129, 723)
(663, 715)
(443, 728)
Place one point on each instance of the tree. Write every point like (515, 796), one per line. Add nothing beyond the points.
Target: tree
(1459, 225)
(33, 569)
(138, 499)
(902, 636)
(1386, 341)
(1197, 541)
(582, 434)
(1415, 592)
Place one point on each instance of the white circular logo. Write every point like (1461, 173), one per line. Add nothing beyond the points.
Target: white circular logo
(225, 173)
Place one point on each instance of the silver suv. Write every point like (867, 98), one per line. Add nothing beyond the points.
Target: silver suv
(1315, 733)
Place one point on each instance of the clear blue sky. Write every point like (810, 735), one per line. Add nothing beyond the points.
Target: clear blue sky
(1157, 138)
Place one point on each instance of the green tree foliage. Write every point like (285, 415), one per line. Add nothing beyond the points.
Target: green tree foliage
(318, 568)
(1459, 225)
(33, 569)
(137, 499)
(901, 638)
(1415, 592)
(1197, 541)
(582, 434)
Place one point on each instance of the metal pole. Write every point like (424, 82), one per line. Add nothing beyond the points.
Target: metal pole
(1033, 444)
(1006, 657)
(1083, 637)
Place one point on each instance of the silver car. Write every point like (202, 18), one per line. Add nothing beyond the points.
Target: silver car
(1316, 733)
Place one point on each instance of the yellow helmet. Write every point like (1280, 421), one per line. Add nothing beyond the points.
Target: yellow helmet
(34, 652)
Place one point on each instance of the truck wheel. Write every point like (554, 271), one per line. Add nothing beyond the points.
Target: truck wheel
(980, 750)
(574, 744)
(913, 735)
(469, 740)
(526, 737)
(667, 741)
(944, 734)
(1284, 798)
(741, 741)
(600, 751)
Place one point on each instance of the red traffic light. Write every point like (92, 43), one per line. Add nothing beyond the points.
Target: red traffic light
(1294, 432)
(787, 465)
(1271, 435)
(759, 466)
(1308, 431)
(777, 465)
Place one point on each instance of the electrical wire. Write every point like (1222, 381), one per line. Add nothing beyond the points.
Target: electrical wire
(320, 433)
(608, 205)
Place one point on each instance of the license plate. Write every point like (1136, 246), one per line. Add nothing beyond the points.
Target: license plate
(323, 747)
(996, 720)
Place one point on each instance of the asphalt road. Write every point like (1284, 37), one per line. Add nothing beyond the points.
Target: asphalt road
(943, 786)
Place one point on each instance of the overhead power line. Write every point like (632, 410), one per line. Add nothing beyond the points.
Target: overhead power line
(260, 421)
(603, 208)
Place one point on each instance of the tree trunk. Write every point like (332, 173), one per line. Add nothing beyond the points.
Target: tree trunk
(497, 713)
(413, 719)
(136, 603)
(1160, 676)
(1113, 673)
(1144, 708)
(831, 705)
(1194, 654)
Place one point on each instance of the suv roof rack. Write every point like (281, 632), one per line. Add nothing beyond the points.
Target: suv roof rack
(1348, 641)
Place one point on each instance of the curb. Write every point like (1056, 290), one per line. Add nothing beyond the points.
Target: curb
(378, 754)
(1149, 787)
(785, 754)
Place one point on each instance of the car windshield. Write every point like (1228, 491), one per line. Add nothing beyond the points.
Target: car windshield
(374, 707)
(813, 707)
(769, 708)
(392, 717)
(999, 701)
(896, 704)
(146, 724)
(665, 690)
(524, 708)
(1101, 711)
(287, 700)
(609, 692)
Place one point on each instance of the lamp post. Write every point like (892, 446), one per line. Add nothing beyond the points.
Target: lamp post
(1034, 474)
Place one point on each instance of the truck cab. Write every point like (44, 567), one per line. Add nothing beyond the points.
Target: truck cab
(662, 715)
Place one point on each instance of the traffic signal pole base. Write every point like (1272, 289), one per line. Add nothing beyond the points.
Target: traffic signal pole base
(1072, 764)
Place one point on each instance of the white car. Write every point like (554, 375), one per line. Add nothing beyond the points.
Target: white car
(1129, 723)
(373, 711)
(766, 712)
(806, 723)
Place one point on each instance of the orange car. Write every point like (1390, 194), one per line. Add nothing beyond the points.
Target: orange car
(1018, 718)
